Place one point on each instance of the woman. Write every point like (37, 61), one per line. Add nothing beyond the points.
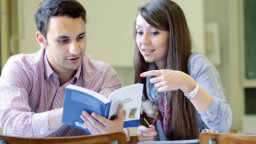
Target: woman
(183, 90)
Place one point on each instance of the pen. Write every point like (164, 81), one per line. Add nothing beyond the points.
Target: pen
(146, 122)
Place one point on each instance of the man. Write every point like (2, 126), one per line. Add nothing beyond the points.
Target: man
(33, 86)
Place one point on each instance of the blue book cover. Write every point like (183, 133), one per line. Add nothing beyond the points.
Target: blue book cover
(78, 99)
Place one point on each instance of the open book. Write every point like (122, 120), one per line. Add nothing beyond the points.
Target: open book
(78, 99)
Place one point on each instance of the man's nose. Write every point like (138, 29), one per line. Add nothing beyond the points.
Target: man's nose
(74, 48)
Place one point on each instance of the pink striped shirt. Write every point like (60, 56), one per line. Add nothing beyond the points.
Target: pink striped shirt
(29, 88)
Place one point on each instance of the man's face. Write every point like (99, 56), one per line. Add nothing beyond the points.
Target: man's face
(66, 42)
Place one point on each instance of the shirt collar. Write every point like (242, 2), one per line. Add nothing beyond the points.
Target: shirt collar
(76, 75)
(48, 69)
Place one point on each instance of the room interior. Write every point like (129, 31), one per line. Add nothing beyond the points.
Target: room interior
(220, 29)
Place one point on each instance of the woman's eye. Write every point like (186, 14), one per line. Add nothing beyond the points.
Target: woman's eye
(154, 33)
(80, 38)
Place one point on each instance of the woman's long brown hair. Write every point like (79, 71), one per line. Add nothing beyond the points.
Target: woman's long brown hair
(167, 15)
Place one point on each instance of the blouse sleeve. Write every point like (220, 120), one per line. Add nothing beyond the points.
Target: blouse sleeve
(206, 75)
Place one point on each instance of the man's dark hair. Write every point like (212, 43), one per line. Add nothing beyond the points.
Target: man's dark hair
(49, 8)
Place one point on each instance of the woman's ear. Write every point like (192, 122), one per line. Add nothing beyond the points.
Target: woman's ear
(41, 39)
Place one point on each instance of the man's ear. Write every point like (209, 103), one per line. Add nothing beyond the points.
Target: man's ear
(41, 40)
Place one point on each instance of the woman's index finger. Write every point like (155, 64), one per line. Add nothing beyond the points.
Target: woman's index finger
(150, 73)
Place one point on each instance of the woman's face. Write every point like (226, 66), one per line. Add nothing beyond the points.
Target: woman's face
(152, 42)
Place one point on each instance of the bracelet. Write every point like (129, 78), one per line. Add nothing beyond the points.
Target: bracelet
(193, 93)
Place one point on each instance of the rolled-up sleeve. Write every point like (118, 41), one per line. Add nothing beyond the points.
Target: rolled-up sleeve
(222, 114)
(40, 124)
(218, 115)
(16, 116)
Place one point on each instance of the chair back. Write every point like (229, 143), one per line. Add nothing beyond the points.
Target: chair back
(108, 138)
(133, 140)
(206, 137)
(222, 138)
(238, 139)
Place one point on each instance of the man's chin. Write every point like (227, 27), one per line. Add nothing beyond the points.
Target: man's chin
(72, 68)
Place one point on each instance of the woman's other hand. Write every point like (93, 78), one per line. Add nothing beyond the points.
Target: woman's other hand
(146, 134)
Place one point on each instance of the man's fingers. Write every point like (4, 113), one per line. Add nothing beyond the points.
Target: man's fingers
(91, 123)
(99, 118)
(98, 124)
(120, 112)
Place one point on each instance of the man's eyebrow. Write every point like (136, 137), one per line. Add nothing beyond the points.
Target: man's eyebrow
(62, 37)
(65, 37)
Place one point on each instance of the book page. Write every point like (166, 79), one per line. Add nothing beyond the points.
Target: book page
(131, 97)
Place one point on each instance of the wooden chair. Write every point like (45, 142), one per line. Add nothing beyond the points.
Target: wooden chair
(237, 139)
(206, 136)
(108, 138)
(232, 138)
(233, 131)
(133, 140)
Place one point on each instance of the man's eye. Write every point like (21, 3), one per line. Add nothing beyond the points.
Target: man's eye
(63, 41)
(139, 33)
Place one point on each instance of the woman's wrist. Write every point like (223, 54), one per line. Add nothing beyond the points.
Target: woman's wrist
(193, 93)
(190, 87)
(188, 84)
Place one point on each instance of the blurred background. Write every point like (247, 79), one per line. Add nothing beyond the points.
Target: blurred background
(222, 30)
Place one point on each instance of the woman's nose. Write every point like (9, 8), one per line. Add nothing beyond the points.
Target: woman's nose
(145, 39)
